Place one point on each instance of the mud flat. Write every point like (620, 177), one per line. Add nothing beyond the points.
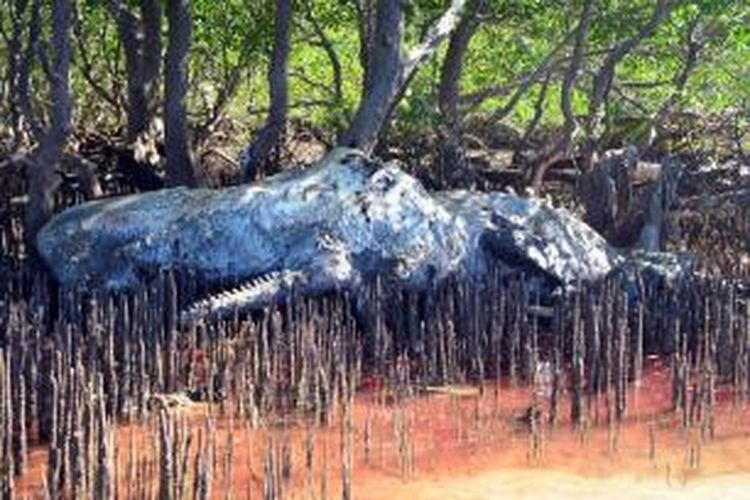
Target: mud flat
(450, 442)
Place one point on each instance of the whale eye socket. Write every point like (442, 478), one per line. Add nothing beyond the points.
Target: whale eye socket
(350, 158)
(371, 166)
(384, 183)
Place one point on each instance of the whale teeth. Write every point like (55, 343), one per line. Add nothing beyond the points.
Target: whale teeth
(240, 295)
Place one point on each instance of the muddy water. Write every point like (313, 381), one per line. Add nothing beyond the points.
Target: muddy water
(458, 442)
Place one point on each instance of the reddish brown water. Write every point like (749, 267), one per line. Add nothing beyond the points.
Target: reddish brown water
(461, 443)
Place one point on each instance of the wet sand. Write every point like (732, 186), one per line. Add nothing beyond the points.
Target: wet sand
(551, 484)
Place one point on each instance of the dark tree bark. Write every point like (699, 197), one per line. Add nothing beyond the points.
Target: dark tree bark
(366, 26)
(562, 147)
(383, 72)
(270, 136)
(127, 28)
(180, 168)
(14, 60)
(44, 160)
(21, 118)
(141, 43)
(695, 43)
(605, 75)
(537, 117)
(449, 90)
(571, 75)
(389, 71)
(23, 95)
(151, 15)
(6, 41)
(593, 192)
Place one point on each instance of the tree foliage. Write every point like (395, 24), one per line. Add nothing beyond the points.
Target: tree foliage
(232, 41)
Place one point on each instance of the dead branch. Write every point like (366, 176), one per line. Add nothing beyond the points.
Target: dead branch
(435, 35)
